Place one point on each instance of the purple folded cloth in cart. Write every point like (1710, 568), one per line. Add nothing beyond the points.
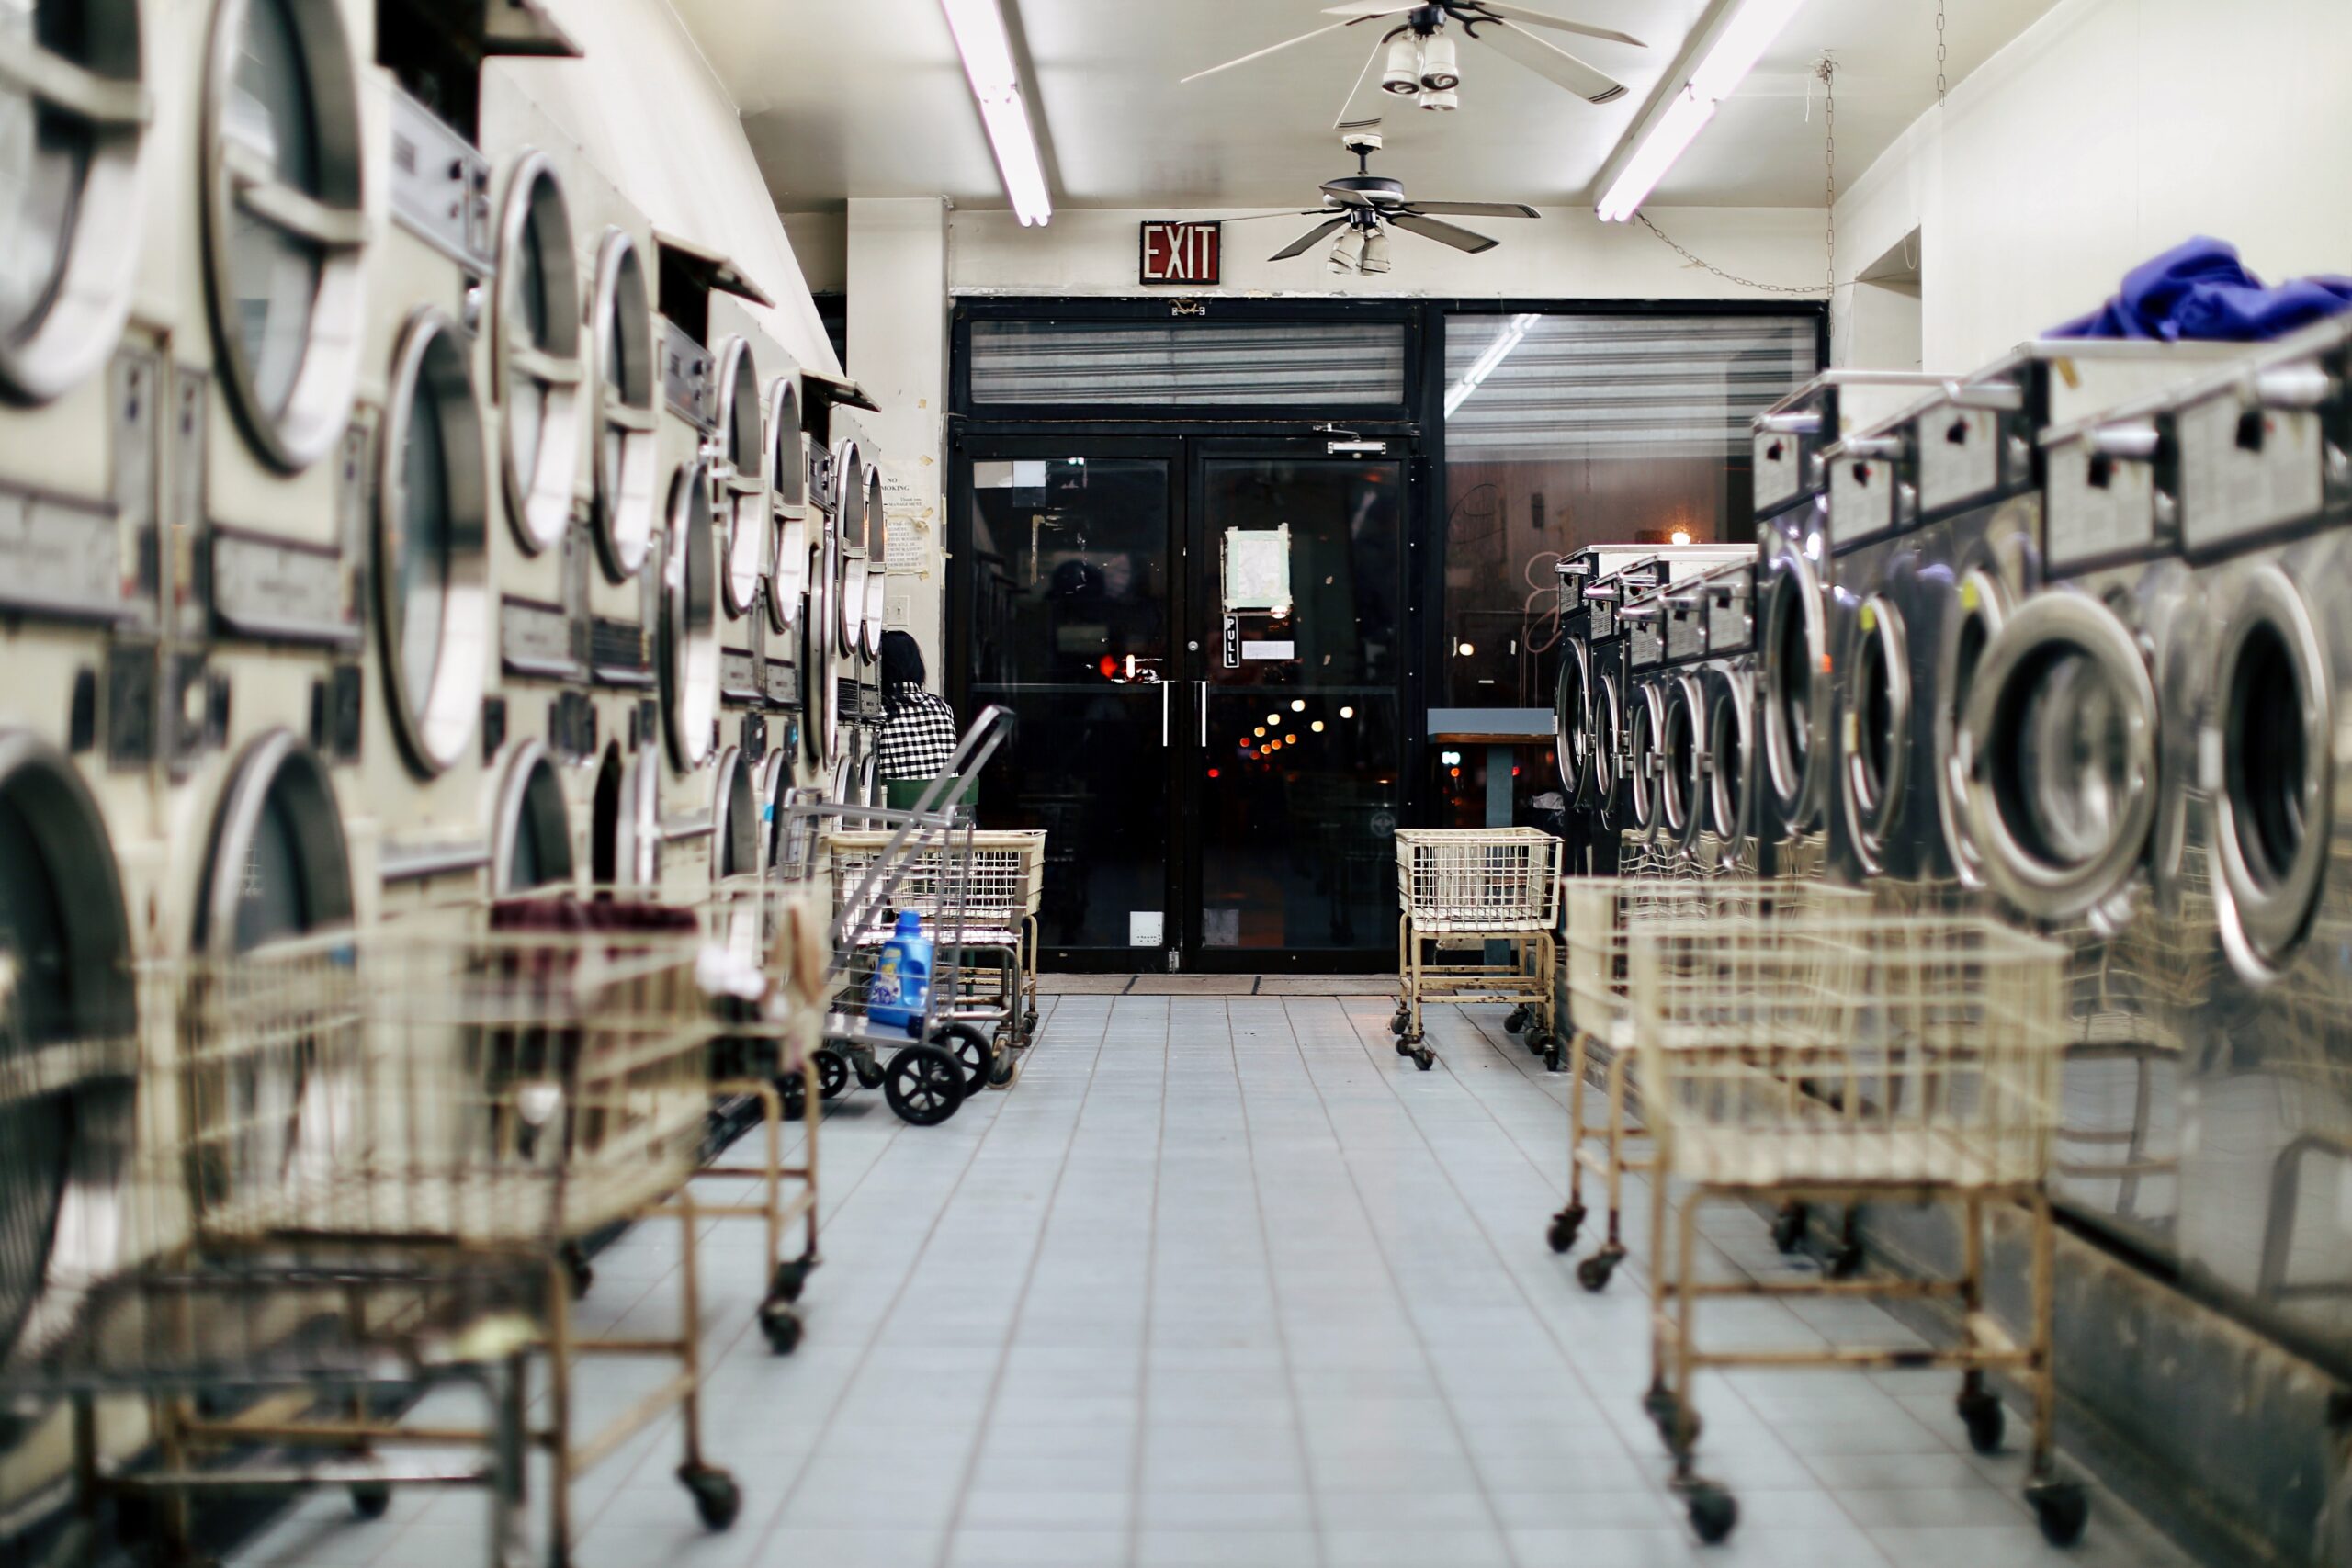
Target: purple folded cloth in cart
(2200, 291)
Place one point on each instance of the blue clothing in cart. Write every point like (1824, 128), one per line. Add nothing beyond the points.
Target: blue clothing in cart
(2202, 290)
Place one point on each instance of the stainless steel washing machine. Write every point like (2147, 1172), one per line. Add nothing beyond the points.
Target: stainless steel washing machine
(1730, 842)
(2258, 467)
(1793, 763)
(1643, 613)
(1608, 795)
(1573, 705)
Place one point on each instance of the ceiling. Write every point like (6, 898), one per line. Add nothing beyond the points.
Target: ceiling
(867, 98)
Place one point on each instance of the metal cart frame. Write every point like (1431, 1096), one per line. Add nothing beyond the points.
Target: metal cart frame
(1494, 891)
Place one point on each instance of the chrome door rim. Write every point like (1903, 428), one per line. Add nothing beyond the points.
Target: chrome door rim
(690, 655)
(1730, 704)
(1572, 718)
(1873, 804)
(538, 502)
(1641, 757)
(740, 478)
(1795, 783)
(1982, 601)
(2265, 908)
(877, 567)
(624, 469)
(523, 804)
(788, 494)
(1681, 800)
(2043, 627)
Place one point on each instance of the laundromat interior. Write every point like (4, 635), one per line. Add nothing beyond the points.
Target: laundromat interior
(1175, 783)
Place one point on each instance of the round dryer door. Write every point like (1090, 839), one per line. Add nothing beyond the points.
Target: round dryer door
(284, 221)
(740, 484)
(1644, 730)
(1730, 754)
(1981, 609)
(433, 545)
(2273, 804)
(1796, 698)
(848, 546)
(621, 345)
(1874, 742)
(66, 947)
(690, 621)
(1572, 719)
(1681, 760)
(625, 832)
(531, 840)
(869, 781)
(877, 564)
(2059, 743)
(1608, 734)
(537, 368)
(72, 119)
(789, 497)
(845, 782)
(776, 783)
(734, 819)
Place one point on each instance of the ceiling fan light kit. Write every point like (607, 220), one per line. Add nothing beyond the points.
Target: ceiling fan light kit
(1403, 77)
(1440, 73)
(1348, 254)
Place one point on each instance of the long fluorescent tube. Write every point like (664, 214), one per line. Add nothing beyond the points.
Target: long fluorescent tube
(1497, 352)
(1739, 43)
(981, 39)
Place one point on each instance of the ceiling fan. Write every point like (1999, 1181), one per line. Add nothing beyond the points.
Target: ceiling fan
(1423, 64)
(1363, 206)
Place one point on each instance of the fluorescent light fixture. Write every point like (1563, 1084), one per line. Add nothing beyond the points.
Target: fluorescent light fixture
(1745, 33)
(1484, 367)
(981, 39)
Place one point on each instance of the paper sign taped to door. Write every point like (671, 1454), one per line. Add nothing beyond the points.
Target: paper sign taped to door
(1269, 650)
(1145, 928)
(1257, 568)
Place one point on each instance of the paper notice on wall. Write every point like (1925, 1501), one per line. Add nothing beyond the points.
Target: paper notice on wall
(909, 502)
(908, 540)
(1257, 568)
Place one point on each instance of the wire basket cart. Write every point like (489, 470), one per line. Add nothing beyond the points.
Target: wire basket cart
(989, 1017)
(361, 1161)
(926, 1064)
(1910, 1059)
(1479, 908)
(1601, 919)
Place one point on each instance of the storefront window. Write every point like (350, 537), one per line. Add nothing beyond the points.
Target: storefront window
(1562, 430)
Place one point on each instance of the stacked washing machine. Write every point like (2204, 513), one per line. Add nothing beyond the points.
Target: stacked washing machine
(2063, 768)
(1586, 776)
(1657, 822)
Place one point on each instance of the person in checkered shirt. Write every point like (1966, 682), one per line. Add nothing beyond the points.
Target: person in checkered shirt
(918, 728)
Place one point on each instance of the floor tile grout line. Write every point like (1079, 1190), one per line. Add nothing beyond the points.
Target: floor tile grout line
(1150, 1283)
(1028, 1283)
(1273, 1284)
(1389, 1264)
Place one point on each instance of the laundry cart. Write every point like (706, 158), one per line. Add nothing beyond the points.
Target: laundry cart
(1601, 919)
(997, 874)
(1910, 1059)
(362, 1159)
(1479, 908)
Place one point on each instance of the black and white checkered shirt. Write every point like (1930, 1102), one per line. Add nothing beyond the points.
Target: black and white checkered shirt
(918, 736)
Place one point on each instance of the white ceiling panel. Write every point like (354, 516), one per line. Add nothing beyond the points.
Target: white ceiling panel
(868, 99)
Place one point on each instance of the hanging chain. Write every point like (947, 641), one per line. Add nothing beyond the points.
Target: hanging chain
(1705, 265)
(1941, 84)
(1827, 72)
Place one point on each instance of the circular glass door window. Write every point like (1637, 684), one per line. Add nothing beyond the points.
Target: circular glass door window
(740, 484)
(537, 368)
(788, 495)
(690, 620)
(626, 461)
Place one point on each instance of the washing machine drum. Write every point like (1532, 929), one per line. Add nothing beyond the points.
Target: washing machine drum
(65, 949)
(2059, 744)
(1607, 736)
(2274, 802)
(1875, 748)
(1572, 719)
(1730, 718)
(1681, 759)
(1793, 633)
(1644, 731)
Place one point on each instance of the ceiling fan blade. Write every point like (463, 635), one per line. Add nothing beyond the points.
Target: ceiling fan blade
(1286, 212)
(1270, 49)
(1308, 241)
(1364, 10)
(1526, 17)
(1443, 234)
(1475, 208)
(1549, 60)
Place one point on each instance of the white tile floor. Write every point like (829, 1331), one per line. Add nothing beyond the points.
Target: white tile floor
(1225, 1282)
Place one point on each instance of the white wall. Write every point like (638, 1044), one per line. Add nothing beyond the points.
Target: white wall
(644, 104)
(1566, 253)
(897, 257)
(2105, 132)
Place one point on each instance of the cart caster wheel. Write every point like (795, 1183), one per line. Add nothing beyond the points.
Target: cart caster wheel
(791, 1096)
(1556, 1058)
(782, 1326)
(832, 1073)
(790, 1280)
(371, 1499)
(1845, 1261)
(870, 1074)
(1564, 1226)
(717, 1497)
(1593, 1272)
(1404, 1048)
(970, 1049)
(926, 1085)
(1789, 1227)
(1001, 1071)
(1660, 1404)
(2061, 1508)
(1981, 1414)
(1398, 1021)
(1515, 1021)
(583, 1275)
(1424, 1058)
(1714, 1512)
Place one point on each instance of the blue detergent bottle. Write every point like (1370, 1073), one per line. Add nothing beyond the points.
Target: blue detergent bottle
(901, 977)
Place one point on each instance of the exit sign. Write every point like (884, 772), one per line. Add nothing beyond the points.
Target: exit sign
(1182, 253)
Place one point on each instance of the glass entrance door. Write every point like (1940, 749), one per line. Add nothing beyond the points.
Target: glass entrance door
(1204, 643)
(1298, 637)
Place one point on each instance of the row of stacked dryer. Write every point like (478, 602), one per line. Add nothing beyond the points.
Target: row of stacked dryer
(2051, 641)
(388, 517)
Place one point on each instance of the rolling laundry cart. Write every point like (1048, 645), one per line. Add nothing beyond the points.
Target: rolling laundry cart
(1897, 1059)
(1465, 892)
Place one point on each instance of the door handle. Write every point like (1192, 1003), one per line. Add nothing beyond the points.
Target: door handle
(1163, 715)
(1203, 686)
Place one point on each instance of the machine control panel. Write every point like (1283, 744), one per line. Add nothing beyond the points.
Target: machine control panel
(441, 187)
(738, 675)
(783, 684)
(686, 378)
(1729, 629)
(536, 639)
(2245, 468)
(1861, 498)
(1960, 455)
(2098, 505)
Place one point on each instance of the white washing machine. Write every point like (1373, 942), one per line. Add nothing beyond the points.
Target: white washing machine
(791, 457)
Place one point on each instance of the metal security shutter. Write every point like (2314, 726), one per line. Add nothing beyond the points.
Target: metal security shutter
(1540, 387)
(1188, 364)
